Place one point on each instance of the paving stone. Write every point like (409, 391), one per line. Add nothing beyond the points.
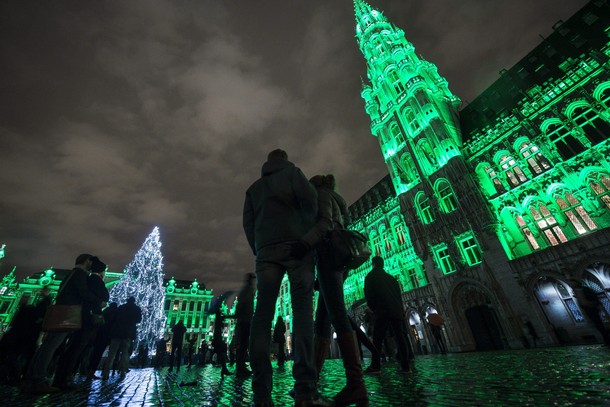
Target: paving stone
(566, 376)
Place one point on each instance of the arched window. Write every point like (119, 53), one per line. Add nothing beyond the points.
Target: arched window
(427, 153)
(513, 172)
(527, 232)
(412, 120)
(574, 211)
(399, 230)
(387, 242)
(396, 134)
(535, 160)
(600, 184)
(568, 299)
(567, 145)
(422, 204)
(491, 173)
(595, 128)
(376, 244)
(394, 79)
(446, 196)
(548, 225)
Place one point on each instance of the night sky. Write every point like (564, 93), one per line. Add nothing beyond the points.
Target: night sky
(118, 116)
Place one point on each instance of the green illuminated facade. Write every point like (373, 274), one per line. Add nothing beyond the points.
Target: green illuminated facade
(489, 209)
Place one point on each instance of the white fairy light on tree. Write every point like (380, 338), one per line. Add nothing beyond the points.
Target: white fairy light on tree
(143, 280)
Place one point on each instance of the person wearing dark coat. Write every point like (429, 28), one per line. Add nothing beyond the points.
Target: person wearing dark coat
(243, 314)
(178, 332)
(280, 207)
(72, 291)
(332, 210)
(122, 332)
(383, 296)
(218, 343)
(92, 313)
(279, 338)
(102, 339)
(18, 344)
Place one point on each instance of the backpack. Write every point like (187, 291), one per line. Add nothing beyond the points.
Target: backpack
(349, 248)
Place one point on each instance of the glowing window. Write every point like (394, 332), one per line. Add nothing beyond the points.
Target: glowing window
(443, 258)
(394, 79)
(513, 172)
(491, 173)
(422, 204)
(534, 158)
(568, 300)
(471, 253)
(600, 184)
(548, 225)
(595, 128)
(400, 234)
(565, 142)
(574, 211)
(446, 197)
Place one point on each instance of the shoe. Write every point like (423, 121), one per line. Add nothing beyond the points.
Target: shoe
(42, 388)
(317, 402)
(373, 371)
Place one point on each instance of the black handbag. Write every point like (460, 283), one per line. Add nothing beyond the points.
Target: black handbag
(349, 248)
(63, 318)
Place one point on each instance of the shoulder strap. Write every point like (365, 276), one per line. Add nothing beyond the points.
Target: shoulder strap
(65, 283)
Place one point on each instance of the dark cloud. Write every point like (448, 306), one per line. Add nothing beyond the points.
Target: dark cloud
(119, 116)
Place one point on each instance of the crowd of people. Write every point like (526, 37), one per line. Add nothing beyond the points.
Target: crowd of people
(67, 350)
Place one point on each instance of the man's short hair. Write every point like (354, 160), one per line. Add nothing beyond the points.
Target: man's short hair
(131, 300)
(277, 154)
(82, 258)
(377, 261)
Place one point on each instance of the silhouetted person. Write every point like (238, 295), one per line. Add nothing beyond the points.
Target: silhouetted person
(531, 331)
(102, 339)
(161, 347)
(142, 354)
(279, 209)
(177, 343)
(591, 305)
(72, 291)
(384, 298)
(122, 333)
(279, 339)
(218, 343)
(79, 340)
(331, 302)
(243, 313)
(191, 351)
(19, 342)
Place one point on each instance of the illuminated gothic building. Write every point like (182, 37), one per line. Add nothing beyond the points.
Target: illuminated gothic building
(488, 210)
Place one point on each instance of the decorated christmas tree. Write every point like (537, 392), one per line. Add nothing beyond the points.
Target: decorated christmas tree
(143, 280)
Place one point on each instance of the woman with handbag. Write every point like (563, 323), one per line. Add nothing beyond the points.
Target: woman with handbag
(332, 210)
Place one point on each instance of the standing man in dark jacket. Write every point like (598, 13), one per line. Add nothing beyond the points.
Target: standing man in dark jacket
(243, 313)
(384, 298)
(122, 333)
(102, 339)
(79, 340)
(72, 291)
(178, 332)
(279, 208)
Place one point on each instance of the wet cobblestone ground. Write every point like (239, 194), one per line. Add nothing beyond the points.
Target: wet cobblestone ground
(568, 376)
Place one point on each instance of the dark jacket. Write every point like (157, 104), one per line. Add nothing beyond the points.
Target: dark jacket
(109, 314)
(331, 212)
(281, 206)
(245, 303)
(96, 285)
(383, 294)
(124, 326)
(74, 290)
(279, 332)
(178, 330)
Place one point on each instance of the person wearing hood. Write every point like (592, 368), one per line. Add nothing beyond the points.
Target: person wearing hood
(332, 211)
(279, 209)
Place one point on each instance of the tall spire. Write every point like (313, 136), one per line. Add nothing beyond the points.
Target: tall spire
(413, 113)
